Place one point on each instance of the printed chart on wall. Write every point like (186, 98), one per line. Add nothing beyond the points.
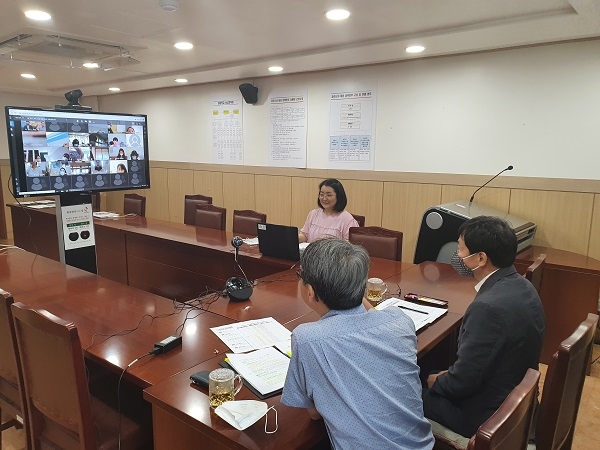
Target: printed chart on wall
(227, 134)
(287, 130)
(352, 128)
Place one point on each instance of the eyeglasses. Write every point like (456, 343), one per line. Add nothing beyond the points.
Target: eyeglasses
(299, 274)
(326, 195)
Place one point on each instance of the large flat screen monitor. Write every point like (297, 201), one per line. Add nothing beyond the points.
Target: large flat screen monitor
(56, 151)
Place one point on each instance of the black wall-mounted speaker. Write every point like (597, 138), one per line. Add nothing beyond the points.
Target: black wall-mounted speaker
(249, 92)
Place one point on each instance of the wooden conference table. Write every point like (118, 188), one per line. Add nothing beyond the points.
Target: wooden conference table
(101, 308)
(179, 261)
(181, 412)
(170, 259)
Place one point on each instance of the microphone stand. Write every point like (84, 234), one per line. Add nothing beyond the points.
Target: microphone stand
(238, 288)
(488, 182)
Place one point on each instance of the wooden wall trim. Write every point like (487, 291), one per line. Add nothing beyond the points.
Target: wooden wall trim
(513, 182)
(567, 212)
(504, 181)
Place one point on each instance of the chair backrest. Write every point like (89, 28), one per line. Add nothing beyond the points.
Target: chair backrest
(210, 216)
(508, 428)
(245, 221)
(134, 204)
(95, 197)
(563, 386)
(535, 272)
(56, 397)
(191, 201)
(359, 219)
(10, 396)
(379, 242)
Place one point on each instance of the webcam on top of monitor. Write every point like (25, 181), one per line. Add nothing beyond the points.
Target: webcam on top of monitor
(73, 99)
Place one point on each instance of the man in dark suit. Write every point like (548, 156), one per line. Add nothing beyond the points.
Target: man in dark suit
(501, 334)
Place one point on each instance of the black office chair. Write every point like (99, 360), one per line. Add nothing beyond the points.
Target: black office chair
(535, 272)
(563, 387)
(246, 220)
(210, 216)
(191, 201)
(379, 242)
(134, 204)
(359, 219)
(59, 410)
(11, 405)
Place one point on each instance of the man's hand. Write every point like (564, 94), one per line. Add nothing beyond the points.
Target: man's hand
(431, 378)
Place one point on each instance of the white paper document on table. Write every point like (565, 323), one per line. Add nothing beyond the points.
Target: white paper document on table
(421, 315)
(264, 369)
(250, 335)
(41, 206)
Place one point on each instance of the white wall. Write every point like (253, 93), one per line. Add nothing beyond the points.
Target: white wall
(536, 108)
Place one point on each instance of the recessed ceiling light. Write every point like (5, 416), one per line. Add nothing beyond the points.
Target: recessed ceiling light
(337, 14)
(415, 49)
(275, 69)
(184, 46)
(91, 65)
(169, 5)
(28, 75)
(37, 15)
(114, 89)
(180, 80)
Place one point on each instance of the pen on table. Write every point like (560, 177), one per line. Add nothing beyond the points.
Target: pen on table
(411, 309)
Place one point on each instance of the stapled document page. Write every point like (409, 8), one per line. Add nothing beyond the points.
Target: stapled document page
(105, 215)
(264, 369)
(421, 315)
(250, 335)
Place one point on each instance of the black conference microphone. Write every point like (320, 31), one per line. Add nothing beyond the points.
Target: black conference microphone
(238, 288)
(237, 242)
(489, 181)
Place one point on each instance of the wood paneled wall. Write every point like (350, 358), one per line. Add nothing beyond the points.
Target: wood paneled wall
(566, 219)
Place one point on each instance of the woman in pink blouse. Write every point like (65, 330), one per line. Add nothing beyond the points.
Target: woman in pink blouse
(330, 219)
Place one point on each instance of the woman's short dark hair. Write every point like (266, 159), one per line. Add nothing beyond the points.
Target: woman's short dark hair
(134, 153)
(340, 194)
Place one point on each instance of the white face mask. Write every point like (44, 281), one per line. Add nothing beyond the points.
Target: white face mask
(240, 414)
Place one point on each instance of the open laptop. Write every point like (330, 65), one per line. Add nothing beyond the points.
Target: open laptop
(278, 241)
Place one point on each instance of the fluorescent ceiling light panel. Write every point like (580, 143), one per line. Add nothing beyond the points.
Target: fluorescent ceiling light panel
(415, 49)
(37, 15)
(337, 14)
(184, 45)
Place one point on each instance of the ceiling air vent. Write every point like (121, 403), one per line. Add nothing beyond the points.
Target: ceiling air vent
(63, 49)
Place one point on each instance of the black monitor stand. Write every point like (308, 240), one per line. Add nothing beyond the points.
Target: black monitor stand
(76, 238)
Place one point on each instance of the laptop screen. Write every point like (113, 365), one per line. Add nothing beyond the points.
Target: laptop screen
(278, 241)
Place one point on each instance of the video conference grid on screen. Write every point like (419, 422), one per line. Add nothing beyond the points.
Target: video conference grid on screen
(81, 152)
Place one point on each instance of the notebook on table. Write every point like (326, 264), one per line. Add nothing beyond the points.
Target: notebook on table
(278, 241)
